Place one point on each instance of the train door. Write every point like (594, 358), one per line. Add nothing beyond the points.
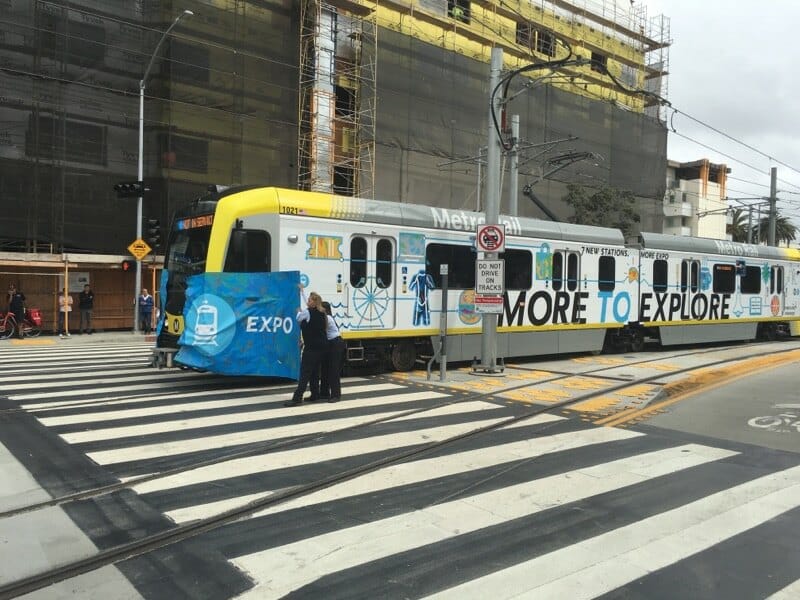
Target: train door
(370, 290)
(776, 290)
(690, 281)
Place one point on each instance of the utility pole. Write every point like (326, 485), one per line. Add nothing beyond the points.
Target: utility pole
(513, 202)
(492, 207)
(750, 225)
(773, 204)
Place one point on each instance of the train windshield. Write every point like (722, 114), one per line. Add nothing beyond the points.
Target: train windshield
(187, 251)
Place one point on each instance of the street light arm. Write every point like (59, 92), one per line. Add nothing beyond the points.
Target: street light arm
(158, 46)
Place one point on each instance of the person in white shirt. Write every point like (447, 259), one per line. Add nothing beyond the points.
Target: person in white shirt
(333, 361)
(64, 308)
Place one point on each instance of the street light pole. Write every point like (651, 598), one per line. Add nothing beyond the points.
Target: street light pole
(142, 85)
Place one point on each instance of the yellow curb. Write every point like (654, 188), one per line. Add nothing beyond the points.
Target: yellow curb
(702, 380)
(32, 342)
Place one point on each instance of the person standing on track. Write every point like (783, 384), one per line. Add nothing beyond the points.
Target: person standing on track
(331, 368)
(312, 325)
(16, 304)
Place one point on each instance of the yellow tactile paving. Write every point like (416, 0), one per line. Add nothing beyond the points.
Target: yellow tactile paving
(600, 360)
(601, 404)
(527, 375)
(657, 366)
(637, 391)
(583, 383)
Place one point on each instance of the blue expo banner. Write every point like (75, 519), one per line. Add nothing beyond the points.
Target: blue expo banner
(242, 324)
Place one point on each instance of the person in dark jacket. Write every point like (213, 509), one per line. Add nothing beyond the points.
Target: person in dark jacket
(332, 363)
(16, 304)
(86, 306)
(312, 325)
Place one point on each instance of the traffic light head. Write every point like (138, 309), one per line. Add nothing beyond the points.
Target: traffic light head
(154, 233)
(130, 189)
(128, 265)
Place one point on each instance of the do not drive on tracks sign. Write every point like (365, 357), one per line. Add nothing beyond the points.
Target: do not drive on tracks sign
(491, 238)
(490, 277)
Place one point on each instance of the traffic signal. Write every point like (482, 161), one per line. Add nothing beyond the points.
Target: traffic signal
(153, 233)
(128, 265)
(130, 189)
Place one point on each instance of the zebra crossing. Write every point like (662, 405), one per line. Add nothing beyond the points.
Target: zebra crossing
(545, 507)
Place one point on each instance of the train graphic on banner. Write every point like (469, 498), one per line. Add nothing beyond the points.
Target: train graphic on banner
(568, 288)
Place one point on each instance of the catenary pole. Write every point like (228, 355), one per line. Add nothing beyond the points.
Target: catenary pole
(513, 192)
(773, 203)
(140, 178)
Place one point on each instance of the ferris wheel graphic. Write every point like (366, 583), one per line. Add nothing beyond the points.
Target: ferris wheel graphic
(370, 304)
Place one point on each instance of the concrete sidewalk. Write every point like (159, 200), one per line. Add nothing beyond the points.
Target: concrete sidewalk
(100, 337)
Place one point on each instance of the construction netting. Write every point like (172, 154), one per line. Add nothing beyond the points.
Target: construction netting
(221, 107)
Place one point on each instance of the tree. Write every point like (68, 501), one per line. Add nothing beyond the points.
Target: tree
(605, 207)
(737, 228)
(785, 231)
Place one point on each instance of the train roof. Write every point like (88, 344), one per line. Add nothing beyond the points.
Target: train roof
(662, 241)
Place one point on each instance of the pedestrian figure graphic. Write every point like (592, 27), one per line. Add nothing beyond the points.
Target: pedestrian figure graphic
(421, 283)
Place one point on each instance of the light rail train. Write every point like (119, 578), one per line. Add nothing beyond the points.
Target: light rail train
(568, 288)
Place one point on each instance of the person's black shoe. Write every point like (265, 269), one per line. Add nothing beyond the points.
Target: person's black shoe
(334, 399)
(324, 397)
(311, 399)
(293, 403)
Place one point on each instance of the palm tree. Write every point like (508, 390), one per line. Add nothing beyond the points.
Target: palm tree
(785, 230)
(737, 228)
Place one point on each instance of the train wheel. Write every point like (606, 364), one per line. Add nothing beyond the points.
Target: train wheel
(404, 356)
(637, 341)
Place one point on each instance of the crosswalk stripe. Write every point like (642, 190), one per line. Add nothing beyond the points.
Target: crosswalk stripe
(605, 562)
(422, 471)
(189, 404)
(281, 570)
(71, 374)
(147, 451)
(790, 592)
(153, 385)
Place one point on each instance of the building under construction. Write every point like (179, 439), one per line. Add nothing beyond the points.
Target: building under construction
(385, 99)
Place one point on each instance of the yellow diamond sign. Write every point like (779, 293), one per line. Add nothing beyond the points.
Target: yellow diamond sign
(139, 249)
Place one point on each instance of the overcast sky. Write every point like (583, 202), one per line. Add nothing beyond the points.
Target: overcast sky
(733, 65)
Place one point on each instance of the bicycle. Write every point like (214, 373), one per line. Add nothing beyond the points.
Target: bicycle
(31, 324)
(7, 325)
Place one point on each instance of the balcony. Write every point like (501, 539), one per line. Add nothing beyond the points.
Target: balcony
(678, 209)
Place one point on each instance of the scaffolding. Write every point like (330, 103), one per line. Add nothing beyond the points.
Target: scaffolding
(337, 99)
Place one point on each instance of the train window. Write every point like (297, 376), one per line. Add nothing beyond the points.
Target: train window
(724, 279)
(558, 270)
(684, 275)
(606, 268)
(750, 283)
(383, 265)
(660, 276)
(461, 262)
(248, 252)
(573, 272)
(695, 280)
(358, 262)
(518, 269)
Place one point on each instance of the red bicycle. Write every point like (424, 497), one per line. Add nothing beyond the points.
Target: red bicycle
(31, 325)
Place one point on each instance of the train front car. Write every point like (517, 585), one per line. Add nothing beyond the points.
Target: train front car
(186, 255)
(697, 290)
